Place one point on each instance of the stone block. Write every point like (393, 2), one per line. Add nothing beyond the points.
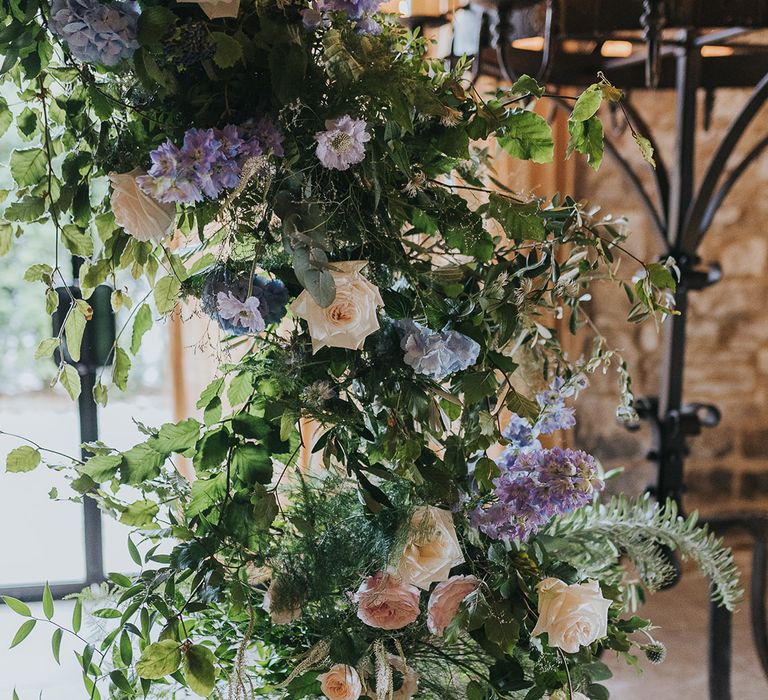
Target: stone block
(754, 444)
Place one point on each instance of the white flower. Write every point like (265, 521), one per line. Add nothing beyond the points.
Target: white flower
(431, 548)
(572, 616)
(138, 214)
(240, 313)
(280, 616)
(216, 9)
(342, 682)
(351, 316)
(342, 143)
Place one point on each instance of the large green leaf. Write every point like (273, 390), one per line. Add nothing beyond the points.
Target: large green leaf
(22, 459)
(200, 670)
(159, 660)
(141, 324)
(29, 166)
(526, 135)
(587, 137)
(167, 293)
(140, 514)
(520, 220)
(176, 437)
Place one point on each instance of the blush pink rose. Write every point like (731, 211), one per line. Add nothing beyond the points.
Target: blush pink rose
(386, 603)
(445, 601)
(342, 682)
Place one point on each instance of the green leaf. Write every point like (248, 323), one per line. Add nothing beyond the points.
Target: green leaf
(58, 633)
(133, 551)
(102, 468)
(646, 149)
(28, 208)
(74, 327)
(141, 324)
(70, 380)
(26, 123)
(23, 632)
(100, 394)
(526, 84)
(528, 136)
(588, 103)
(6, 239)
(121, 368)
(47, 601)
(240, 388)
(586, 137)
(155, 22)
(227, 50)
(120, 681)
(29, 166)
(200, 670)
(140, 463)
(159, 660)
(77, 615)
(76, 241)
(46, 347)
(252, 464)
(6, 116)
(22, 459)
(140, 514)
(167, 293)
(126, 648)
(17, 606)
(523, 406)
(176, 437)
(520, 221)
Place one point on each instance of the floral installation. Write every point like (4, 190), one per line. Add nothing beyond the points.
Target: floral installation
(380, 507)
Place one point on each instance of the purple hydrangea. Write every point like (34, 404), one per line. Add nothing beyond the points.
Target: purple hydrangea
(208, 162)
(342, 143)
(535, 486)
(96, 32)
(436, 354)
(271, 295)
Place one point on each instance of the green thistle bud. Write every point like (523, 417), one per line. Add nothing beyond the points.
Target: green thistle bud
(655, 652)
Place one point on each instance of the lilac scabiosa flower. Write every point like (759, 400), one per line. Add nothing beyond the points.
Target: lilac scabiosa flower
(272, 296)
(342, 143)
(535, 486)
(96, 32)
(436, 354)
(240, 313)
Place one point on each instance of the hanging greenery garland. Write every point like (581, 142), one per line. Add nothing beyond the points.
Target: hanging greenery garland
(333, 203)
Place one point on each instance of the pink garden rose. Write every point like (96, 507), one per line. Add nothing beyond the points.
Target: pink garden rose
(386, 603)
(445, 601)
(342, 682)
(410, 683)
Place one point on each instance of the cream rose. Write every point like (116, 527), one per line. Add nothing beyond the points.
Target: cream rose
(342, 682)
(351, 316)
(137, 213)
(572, 616)
(216, 9)
(431, 548)
(386, 603)
(283, 615)
(445, 601)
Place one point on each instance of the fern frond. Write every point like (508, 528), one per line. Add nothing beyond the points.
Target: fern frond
(638, 528)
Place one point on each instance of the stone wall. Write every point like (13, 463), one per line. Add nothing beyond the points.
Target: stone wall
(727, 350)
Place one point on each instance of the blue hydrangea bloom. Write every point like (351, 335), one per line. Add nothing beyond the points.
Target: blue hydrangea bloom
(436, 354)
(535, 486)
(95, 32)
(271, 294)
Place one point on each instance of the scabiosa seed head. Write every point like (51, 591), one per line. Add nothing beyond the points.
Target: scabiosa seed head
(655, 652)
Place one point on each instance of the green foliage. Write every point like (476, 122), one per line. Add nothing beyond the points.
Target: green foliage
(22, 459)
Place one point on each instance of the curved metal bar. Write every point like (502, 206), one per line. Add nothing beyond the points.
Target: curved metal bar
(692, 231)
(757, 601)
(660, 173)
(633, 177)
(717, 199)
(499, 40)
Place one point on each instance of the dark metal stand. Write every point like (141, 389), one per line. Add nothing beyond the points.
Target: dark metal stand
(681, 213)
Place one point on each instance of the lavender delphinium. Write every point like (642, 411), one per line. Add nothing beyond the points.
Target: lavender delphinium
(96, 32)
(521, 434)
(208, 162)
(436, 354)
(271, 295)
(555, 415)
(535, 486)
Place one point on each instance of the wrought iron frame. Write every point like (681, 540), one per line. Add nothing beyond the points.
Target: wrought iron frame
(681, 215)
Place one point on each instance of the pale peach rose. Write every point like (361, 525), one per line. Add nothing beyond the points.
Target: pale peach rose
(572, 616)
(351, 316)
(342, 682)
(410, 685)
(138, 214)
(431, 548)
(216, 9)
(386, 603)
(445, 601)
(280, 616)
